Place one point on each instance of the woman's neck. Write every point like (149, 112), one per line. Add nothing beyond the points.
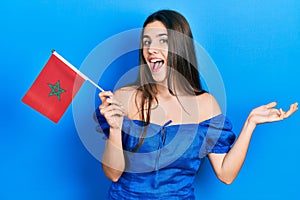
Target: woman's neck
(163, 91)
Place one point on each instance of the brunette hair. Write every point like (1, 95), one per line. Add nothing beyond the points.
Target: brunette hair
(181, 61)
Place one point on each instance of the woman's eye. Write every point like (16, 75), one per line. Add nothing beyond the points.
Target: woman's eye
(163, 41)
(146, 43)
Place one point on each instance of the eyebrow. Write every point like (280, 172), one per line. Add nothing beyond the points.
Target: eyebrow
(158, 35)
(162, 34)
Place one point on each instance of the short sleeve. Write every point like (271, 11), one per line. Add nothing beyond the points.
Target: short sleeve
(219, 136)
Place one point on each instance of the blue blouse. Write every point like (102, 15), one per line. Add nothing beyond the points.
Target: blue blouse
(165, 165)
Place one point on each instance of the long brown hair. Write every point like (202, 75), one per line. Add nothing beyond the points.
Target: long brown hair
(181, 60)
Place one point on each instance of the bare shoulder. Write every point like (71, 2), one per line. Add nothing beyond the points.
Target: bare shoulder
(125, 94)
(209, 105)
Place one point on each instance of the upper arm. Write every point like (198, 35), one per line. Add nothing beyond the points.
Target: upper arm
(213, 109)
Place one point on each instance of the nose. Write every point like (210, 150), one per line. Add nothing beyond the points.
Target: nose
(153, 48)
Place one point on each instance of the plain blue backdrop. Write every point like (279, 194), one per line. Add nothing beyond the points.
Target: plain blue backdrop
(255, 44)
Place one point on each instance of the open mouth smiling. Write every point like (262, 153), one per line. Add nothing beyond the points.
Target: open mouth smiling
(156, 64)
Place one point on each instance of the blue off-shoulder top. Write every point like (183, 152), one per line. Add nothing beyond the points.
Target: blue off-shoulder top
(165, 165)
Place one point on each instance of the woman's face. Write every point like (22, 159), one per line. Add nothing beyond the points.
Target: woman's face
(155, 50)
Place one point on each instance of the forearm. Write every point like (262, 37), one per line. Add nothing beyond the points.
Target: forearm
(234, 159)
(113, 162)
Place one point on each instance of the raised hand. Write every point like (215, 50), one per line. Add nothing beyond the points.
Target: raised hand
(111, 109)
(267, 113)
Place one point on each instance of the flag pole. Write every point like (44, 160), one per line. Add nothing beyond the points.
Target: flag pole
(76, 70)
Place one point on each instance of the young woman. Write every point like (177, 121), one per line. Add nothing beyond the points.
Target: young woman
(159, 128)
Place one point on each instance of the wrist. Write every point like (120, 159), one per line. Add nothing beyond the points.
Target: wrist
(115, 136)
(115, 130)
(251, 122)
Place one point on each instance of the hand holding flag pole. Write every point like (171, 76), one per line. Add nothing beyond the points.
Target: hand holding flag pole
(55, 87)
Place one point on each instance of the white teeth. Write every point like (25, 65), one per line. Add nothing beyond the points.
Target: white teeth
(155, 60)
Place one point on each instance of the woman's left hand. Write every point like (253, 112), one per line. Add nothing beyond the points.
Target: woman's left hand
(267, 113)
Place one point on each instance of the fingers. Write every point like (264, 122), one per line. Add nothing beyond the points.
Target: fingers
(110, 107)
(110, 103)
(112, 100)
(281, 114)
(107, 98)
(278, 111)
(293, 108)
(268, 113)
(112, 110)
(271, 105)
(104, 95)
(275, 114)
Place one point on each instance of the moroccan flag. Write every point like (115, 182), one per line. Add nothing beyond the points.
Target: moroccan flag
(55, 87)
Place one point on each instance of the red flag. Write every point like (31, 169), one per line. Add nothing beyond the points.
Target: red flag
(55, 87)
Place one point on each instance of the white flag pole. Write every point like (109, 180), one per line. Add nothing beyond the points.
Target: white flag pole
(76, 70)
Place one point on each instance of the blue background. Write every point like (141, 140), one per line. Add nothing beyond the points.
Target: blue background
(255, 44)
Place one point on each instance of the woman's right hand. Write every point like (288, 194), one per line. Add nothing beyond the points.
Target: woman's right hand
(111, 109)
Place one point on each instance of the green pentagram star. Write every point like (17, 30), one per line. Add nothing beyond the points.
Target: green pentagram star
(56, 89)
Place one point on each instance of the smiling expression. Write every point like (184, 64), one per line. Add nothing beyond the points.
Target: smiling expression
(155, 50)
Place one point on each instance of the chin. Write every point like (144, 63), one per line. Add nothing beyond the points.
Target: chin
(160, 80)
